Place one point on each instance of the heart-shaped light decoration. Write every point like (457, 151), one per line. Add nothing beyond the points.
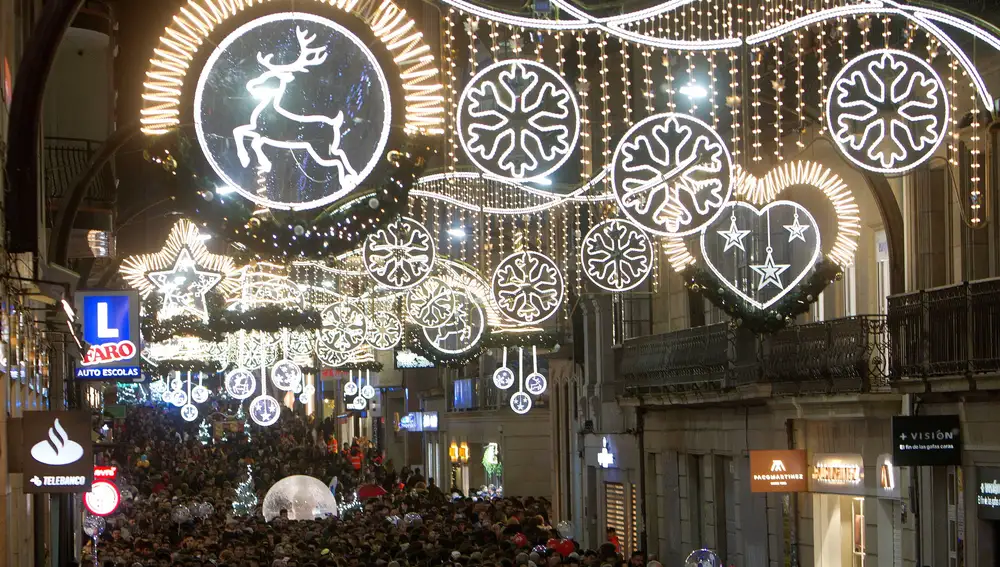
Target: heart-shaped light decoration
(761, 248)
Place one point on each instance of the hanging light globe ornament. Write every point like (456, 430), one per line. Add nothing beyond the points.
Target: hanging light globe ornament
(367, 392)
(304, 398)
(351, 389)
(431, 303)
(286, 375)
(189, 412)
(309, 389)
(199, 394)
(400, 255)
(176, 384)
(240, 384)
(503, 378)
(265, 410)
(179, 398)
(536, 384)
(520, 403)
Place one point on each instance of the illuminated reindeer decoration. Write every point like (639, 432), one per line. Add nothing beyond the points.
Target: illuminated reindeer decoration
(283, 129)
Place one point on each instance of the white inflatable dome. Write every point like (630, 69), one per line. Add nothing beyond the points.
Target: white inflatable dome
(305, 498)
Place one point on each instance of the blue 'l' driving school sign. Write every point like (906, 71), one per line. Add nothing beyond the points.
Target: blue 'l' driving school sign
(110, 321)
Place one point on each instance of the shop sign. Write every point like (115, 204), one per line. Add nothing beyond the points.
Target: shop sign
(429, 421)
(417, 421)
(778, 471)
(926, 440)
(110, 321)
(838, 474)
(888, 477)
(988, 492)
(57, 451)
(105, 473)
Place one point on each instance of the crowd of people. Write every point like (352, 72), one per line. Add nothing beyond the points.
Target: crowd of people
(168, 466)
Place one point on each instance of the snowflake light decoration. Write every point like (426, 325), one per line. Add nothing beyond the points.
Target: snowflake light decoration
(430, 304)
(887, 111)
(253, 349)
(344, 326)
(400, 255)
(183, 272)
(528, 287)
(616, 255)
(518, 120)
(326, 352)
(240, 384)
(463, 331)
(672, 174)
(384, 330)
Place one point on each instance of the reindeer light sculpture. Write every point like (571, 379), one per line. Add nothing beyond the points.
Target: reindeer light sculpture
(319, 135)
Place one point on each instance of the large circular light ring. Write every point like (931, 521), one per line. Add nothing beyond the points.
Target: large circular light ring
(552, 84)
(103, 498)
(399, 255)
(899, 129)
(463, 332)
(331, 123)
(616, 255)
(528, 287)
(707, 174)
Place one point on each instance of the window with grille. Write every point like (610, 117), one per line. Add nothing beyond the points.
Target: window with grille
(614, 510)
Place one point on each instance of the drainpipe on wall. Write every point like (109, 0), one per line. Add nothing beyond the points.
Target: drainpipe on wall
(640, 414)
(793, 507)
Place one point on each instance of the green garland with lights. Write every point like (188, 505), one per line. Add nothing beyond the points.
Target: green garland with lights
(281, 235)
(163, 367)
(776, 316)
(418, 343)
(268, 319)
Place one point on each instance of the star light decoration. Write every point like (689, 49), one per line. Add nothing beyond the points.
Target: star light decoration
(183, 272)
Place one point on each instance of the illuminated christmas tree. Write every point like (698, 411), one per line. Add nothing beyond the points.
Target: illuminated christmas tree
(204, 432)
(130, 394)
(245, 503)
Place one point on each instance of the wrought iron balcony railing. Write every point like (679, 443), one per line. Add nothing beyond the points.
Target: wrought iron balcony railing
(947, 331)
(839, 355)
(66, 159)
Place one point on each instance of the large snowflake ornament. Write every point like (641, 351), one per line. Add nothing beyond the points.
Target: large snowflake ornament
(430, 304)
(400, 255)
(672, 174)
(887, 111)
(616, 255)
(518, 119)
(528, 287)
(384, 330)
(344, 326)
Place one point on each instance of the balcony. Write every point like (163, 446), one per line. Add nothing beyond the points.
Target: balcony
(65, 160)
(836, 356)
(945, 332)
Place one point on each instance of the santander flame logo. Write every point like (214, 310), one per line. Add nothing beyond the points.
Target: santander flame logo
(58, 449)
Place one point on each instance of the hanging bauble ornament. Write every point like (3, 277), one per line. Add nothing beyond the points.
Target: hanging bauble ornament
(286, 375)
(240, 384)
(264, 410)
